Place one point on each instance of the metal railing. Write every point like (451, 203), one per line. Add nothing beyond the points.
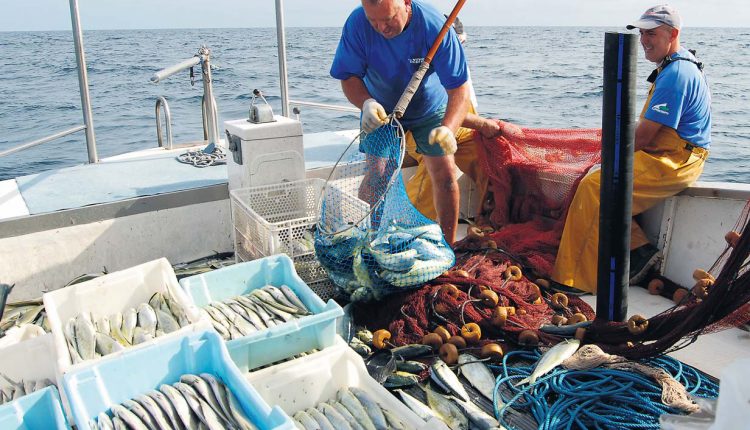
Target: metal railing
(162, 101)
(83, 85)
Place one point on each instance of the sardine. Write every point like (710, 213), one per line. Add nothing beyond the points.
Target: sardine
(268, 299)
(411, 366)
(180, 405)
(423, 411)
(394, 422)
(204, 390)
(334, 417)
(220, 392)
(129, 322)
(447, 380)
(422, 271)
(85, 337)
(141, 413)
(478, 374)
(306, 420)
(400, 380)
(479, 419)
(448, 412)
(165, 321)
(279, 296)
(106, 345)
(320, 419)
(355, 425)
(104, 422)
(371, 406)
(158, 416)
(411, 350)
(237, 413)
(292, 297)
(168, 408)
(350, 401)
(177, 311)
(129, 418)
(551, 359)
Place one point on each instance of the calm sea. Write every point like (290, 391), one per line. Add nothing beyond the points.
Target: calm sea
(534, 76)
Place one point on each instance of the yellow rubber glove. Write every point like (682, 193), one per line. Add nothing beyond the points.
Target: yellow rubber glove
(444, 137)
(373, 115)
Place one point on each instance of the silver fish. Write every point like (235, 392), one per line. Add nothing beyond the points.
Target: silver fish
(347, 415)
(350, 401)
(106, 345)
(394, 422)
(85, 337)
(129, 418)
(308, 422)
(292, 297)
(177, 311)
(334, 417)
(119, 424)
(371, 406)
(448, 412)
(268, 299)
(180, 405)
(129, 322)
(220, 392)
(279, 296)
(165, 321)
(237, 413)
(158, 416)
(204, 390)
(551, 359)
(320, 419)
(141, 413)
(104, 422)
(168, 409)
(447, 380)
(479, 419)
(423, 411)
(478, 374)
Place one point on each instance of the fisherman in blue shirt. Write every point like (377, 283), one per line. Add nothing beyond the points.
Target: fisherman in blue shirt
(382, 44)
(672, 140)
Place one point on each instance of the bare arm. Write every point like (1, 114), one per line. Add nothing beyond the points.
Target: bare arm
(455, 112)
(645, 133)
(355, 91)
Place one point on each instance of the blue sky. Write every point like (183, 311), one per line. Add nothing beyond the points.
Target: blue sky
(20, 15)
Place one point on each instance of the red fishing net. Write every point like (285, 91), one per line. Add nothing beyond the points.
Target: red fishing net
(454, 299)
(533, 176)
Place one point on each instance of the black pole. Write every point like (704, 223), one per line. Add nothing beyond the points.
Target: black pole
(615, 210)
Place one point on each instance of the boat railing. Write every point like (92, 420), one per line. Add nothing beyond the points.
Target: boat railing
(209, 109)
(83, 84)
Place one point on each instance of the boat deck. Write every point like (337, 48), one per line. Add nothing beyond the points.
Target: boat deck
(143, 173)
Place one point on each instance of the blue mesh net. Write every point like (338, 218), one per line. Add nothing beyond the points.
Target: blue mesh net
(369, 237)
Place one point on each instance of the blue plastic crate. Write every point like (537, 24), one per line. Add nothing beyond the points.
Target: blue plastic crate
(316, 331)
(96, 388)
(38, 410)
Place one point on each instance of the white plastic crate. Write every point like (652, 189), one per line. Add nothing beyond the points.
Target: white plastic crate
(111, 293)
(318, 377)
(273, 219)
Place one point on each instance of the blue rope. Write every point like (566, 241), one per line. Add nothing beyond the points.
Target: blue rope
(598, 398)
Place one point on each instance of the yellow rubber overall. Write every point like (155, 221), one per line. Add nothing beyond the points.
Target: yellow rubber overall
(667, 167)
(419, 186)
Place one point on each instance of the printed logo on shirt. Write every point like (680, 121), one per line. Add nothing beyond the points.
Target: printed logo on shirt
(416, 60)
(661, 108)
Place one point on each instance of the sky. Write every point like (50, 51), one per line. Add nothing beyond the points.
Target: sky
(42, 15)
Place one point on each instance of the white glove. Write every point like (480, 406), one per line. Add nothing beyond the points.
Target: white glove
(444, 137)
(373, 115)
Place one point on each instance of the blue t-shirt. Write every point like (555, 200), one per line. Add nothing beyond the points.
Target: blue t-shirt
(682, 101)
(387, 65)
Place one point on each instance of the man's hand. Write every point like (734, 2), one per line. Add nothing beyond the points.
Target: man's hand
(489, 129)
(509, 130)
(373, 115)
(444, 137)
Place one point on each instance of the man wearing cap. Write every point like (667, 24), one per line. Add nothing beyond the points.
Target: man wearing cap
(672, 140)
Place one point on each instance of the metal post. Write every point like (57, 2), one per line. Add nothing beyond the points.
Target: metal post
(281, 41)
(83, 82)
(616, 193)
(208, 96)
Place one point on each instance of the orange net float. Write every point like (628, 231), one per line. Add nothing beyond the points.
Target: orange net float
(732, 238)
(513, 273)
(637, 324)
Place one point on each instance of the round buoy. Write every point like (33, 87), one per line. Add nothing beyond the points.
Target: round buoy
(448, 353)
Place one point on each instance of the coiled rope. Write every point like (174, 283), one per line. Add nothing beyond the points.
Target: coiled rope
(599, 398)
(199, 158)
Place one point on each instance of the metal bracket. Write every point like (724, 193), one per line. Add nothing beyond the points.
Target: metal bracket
(260, 113)
(235, 146)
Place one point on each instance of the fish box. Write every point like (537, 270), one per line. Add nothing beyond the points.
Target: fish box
(279, 218)
(316, 331)
(38, 410)
(99, 386)
(33, 359)
(318, 377)
(112, 293)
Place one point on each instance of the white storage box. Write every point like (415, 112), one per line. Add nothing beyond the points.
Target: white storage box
(307, 381)
(112, 293)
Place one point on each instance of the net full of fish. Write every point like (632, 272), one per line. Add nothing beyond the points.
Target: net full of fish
(17, 389)
(367, 265)
(90, 336)
(195, 402)
(258, 310)
(352, 409)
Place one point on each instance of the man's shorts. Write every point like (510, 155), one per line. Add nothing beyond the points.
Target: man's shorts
(384, 141)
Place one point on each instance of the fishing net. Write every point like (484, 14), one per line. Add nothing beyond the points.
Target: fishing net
(711, 305)
(458, 297)
(533, 177)
(369, 237)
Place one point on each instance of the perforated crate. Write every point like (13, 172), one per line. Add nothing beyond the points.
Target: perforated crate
(280, 218)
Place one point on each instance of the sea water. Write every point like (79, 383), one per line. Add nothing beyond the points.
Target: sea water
(532, 76)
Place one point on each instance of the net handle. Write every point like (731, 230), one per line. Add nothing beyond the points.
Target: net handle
(417, 77)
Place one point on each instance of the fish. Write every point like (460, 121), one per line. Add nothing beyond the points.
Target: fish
(423, 411)
(447, 380)
(396, 262)
(421, 272)
(292, 297)
(371, 407)
(147, 318)
(427, 250)
(131, 420)
(280, 297)
(479, 419)
(411, 350)
(551, 359)
(168, 409)
(176, 310)
(85, 337)
(308, 422)
(394, 422)
(355, 425)
(153, 409)
(104, 422)
(106, 345)
(140, 412)
(350, 401)
(204, 390)
(478, 374)
(181, 407)
(129, 322)
(220, 393)
(320, 419)
(360, 269)
(334, 417)
(237, 413)
(165, 321)
(400, 380)
(411, 366)
(448, 412)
